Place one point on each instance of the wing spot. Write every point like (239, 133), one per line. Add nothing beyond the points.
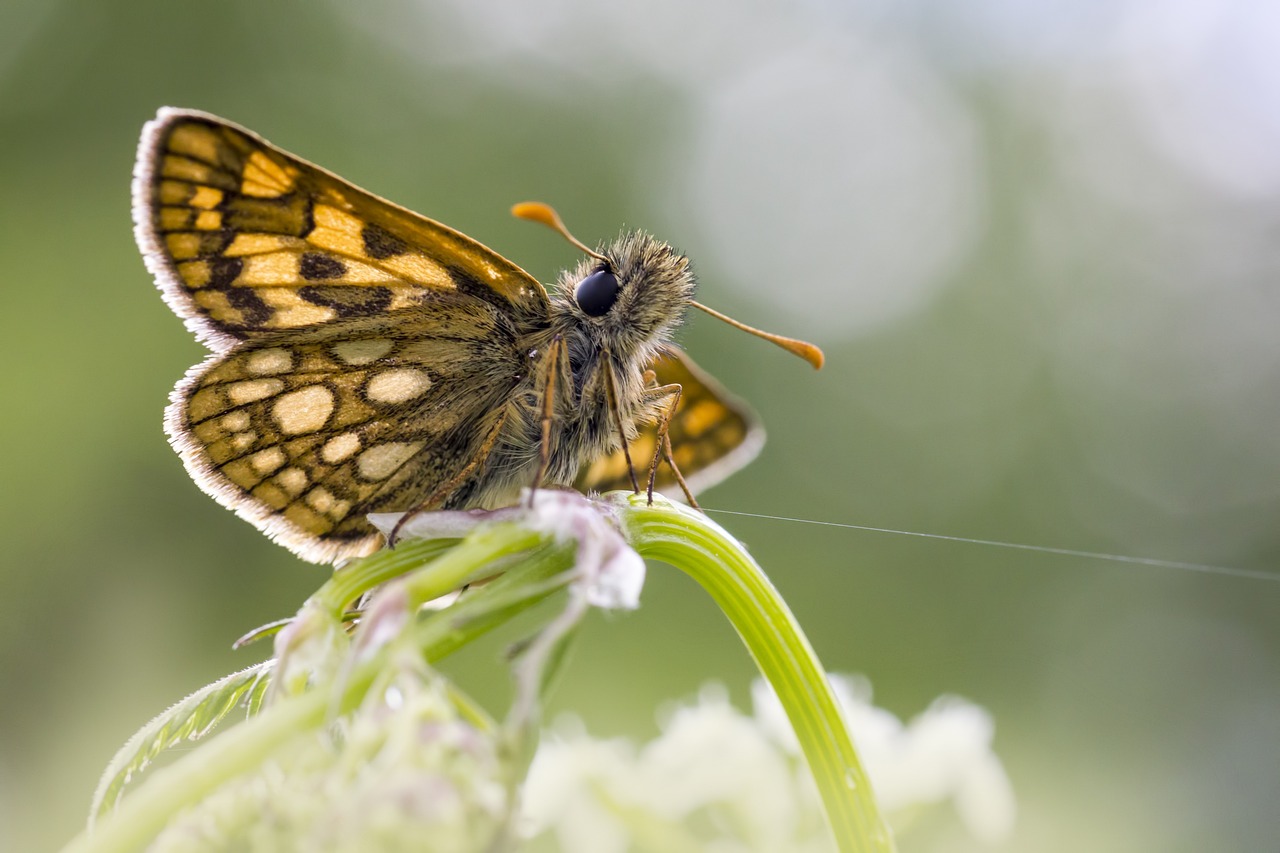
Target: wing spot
(264, 178)
(235, 422)
(336, 231)
(381, 244)
(271, 495)
(348, 301)
(321, 500)
(340, 448)
(256, 244)
(194, 140)
(267, 361)
(382, 460)
(209, 220)
(317, 267)
(284, 309)
(224, 271)
(397, 386)
(367, 351)
(183, 245)
(206, 198)
(242, 441)
(279, 268)
(175, 192)
(253, 390)
(175, 218)
(266, 461)
(192, 171)
(305, 410)
(194, 273)
(292, 480)
(307, 520)
(704, 415)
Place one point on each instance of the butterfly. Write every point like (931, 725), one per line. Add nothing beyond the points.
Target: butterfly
(368, 359)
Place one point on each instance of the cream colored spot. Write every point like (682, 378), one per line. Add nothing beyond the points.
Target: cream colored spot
(206, 198)
(253, 390)
(324, 502)
(235, 422)
(337, 231)
(382, 460)
(320, 499)
(255, 244)
(274, 360)
(363, 351)
(412, 266)
(274, 268)
(243, 440)
(266, 461)
(340, 447)
(299, 315)
(194, 273)
(293, 480)
(304, 410)
(209, 220)
(397, 386)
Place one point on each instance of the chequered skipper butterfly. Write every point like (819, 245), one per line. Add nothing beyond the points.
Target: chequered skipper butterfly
(367, 359)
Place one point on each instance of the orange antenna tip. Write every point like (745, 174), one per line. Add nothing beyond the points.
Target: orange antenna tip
(536, 211)
(804, 349)
(809, 352)
(545, 214)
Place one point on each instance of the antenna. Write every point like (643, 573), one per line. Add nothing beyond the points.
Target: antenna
(805, 350)
(536, 211)
(545, 214)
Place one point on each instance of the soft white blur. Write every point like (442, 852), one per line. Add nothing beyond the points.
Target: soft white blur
(716, 778)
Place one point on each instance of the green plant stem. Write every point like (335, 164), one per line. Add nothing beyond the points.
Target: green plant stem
(697, 546)
(354, 579)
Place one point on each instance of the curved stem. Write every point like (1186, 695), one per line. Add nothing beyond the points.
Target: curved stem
(698, 546)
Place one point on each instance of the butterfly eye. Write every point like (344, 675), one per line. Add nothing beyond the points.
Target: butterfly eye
(596, 293)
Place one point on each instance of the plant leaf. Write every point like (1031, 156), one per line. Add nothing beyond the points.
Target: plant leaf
(188, 720)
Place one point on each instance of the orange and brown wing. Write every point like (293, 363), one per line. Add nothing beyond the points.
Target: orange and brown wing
(713, 434)
(244, 238)
(307, 434)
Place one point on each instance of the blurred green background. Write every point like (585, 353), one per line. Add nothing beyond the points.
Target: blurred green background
(1039, 242)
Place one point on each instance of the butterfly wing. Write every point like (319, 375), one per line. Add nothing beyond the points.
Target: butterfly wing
(362, 352)
(245, 239)
(306, 432)
(712, 432)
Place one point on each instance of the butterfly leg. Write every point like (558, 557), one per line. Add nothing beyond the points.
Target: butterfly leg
(610, 390)
(684, 487)
(554, 352)
(437, 497)
(665, 413)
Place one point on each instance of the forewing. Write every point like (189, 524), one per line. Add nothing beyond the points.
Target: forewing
(306, 433)
(713, 434)
(245, 239)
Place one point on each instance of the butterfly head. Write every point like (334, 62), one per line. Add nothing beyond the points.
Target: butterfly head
(635, 292)
(629, 297)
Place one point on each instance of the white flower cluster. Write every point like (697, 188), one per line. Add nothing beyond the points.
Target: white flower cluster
(402, 769)
(718, 779)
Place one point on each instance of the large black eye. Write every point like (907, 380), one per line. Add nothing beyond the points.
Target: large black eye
(596, 293)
